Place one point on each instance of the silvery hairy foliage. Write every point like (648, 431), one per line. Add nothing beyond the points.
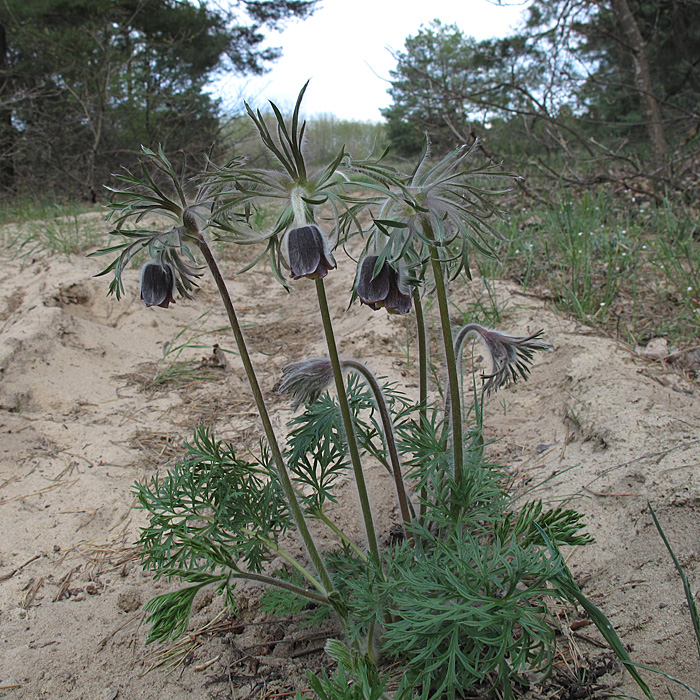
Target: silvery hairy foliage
(460, 598)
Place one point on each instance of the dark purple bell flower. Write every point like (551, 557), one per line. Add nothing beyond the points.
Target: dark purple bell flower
(386, 289)
(307, 253)
(510, 355)
(157, 284)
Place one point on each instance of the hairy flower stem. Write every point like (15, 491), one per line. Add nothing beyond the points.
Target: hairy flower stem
(347, 422)
(320, 515)
(327, 585)
(389, 438)
(298, 206)
(422, 356)
(471, 329)
(279, 583)
(455, 417)
(422, 378)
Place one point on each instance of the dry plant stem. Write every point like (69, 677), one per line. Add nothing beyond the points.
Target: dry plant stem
(389, 438)
(455, 417)
(347, 422)
(320, 567)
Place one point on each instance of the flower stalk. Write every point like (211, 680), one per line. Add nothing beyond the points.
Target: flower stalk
(327, 585)
(455, 402)
(347, 421)
(298, 206)
(307, 379)
(422, 356)
(390, 440)
(422, 377)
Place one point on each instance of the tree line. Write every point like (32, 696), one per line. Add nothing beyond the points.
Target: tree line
(84, 82)
(584, 91)
(606, 86)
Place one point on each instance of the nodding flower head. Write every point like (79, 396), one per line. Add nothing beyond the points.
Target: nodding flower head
(511, 356)
(307, 253)
(305, 381)
(158, 284)
(385, 289)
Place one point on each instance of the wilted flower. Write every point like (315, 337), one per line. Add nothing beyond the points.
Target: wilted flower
(306, 380)
(385, 289)
(307, 253)
(157, 284)
(510, 355)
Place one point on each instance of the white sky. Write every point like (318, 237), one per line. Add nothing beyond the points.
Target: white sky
(344, 48)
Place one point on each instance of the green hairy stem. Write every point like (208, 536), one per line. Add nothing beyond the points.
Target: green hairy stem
(422, 355)
(347, 422)
(455, 416)
(422, 375)
(385, 414)
(327, 584)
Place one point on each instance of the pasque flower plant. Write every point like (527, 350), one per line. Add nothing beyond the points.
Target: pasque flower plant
(460, 598)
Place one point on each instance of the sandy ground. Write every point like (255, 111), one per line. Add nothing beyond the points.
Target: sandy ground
(80, 421)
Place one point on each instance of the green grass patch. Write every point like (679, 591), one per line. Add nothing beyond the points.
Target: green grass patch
(25, 209)
(34, 226)
(66, 235)
(629, 267)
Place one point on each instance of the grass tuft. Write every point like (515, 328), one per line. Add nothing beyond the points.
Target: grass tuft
(628, 268)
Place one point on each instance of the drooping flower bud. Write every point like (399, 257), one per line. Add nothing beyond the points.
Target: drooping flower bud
(157, 284)
(307, 253)
(387, 289)
(306, 380)
(510, 355)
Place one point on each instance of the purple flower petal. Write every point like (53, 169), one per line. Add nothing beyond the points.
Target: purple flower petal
(157, 284)
(372, 288)
(307, 253)
(385, 289)
(304, 251)
(397, 302)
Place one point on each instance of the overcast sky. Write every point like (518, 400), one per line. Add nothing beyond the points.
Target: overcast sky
(345, 49)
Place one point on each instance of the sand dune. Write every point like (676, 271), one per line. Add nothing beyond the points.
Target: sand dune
(81, 420)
